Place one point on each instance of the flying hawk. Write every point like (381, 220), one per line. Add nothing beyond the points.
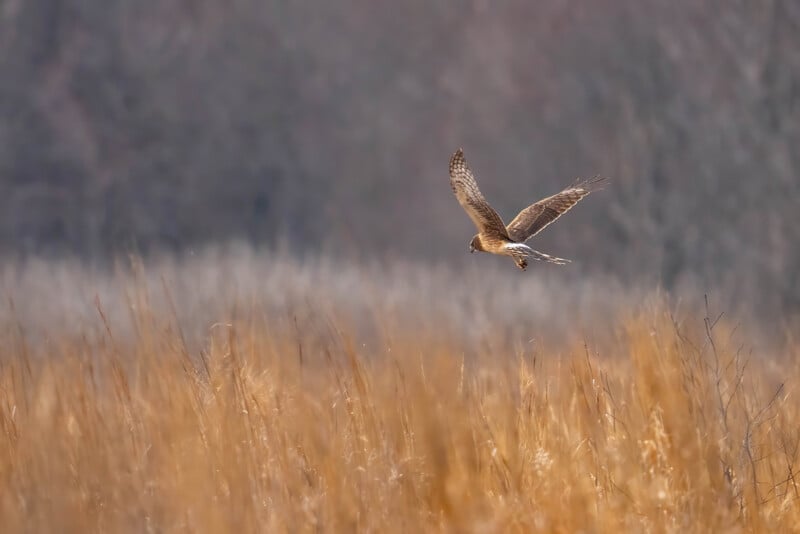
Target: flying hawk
(495, 237)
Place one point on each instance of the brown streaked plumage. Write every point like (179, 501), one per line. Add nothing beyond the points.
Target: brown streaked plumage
(493, 235)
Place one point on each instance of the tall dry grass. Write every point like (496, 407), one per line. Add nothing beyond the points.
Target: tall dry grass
(261, 394)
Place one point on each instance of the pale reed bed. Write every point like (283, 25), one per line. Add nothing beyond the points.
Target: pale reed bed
(336, 398)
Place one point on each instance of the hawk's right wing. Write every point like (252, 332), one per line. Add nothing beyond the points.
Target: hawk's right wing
(471, 199)
(535, 217)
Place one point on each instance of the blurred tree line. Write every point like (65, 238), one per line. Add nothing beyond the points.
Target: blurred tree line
(172, 123)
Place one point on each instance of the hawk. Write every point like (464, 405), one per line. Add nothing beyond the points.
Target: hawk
(495, 237)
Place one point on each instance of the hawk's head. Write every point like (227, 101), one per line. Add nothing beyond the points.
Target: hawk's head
(475, 244)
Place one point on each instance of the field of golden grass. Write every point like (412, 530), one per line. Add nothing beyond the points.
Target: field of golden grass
(261, 394)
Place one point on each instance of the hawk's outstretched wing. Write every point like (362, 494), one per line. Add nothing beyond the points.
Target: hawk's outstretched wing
(535, 217)
(471, 199)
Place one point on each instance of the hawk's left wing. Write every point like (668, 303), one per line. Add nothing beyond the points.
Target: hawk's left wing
(472, 200)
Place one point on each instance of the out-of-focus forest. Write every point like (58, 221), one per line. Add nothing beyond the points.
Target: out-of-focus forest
(170, 124)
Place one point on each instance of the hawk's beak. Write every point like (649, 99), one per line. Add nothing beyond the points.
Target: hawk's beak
(471, 249)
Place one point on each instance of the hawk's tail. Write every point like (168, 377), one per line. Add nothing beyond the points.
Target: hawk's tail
(520, 251)
(541, 256)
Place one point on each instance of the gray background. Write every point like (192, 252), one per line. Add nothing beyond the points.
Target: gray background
(327, 126)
